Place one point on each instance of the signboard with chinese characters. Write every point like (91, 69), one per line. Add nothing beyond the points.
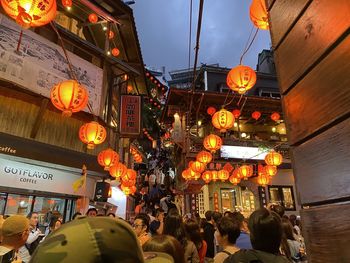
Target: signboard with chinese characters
(130, 115)
(242, 152)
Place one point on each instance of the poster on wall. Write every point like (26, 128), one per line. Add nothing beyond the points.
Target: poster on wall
(40, 64)
(130, 115)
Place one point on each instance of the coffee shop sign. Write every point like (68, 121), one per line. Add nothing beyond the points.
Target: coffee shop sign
(28, 176)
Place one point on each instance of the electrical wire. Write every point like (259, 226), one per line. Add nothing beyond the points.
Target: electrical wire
(190, 38)
(246, 50)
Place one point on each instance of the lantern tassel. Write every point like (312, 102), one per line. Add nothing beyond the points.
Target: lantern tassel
(19, 40)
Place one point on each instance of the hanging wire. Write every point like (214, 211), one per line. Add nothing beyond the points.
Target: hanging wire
(246, 50)
(190, 38)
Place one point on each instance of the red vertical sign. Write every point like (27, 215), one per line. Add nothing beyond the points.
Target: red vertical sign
(130, 115)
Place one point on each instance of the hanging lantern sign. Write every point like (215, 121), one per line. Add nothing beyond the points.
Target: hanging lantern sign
(258, 14)
(92, 133)
(273, 158)
(256, 115)
(241, 79)
(212, 143)
(108, 158)
(223, 120)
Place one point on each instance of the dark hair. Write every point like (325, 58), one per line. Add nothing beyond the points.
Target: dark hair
(265, 230)
(91, 209)
(202, 222)
(194, 233)
(228, 213)
(208, 215)
(173, 211)
(166, 244)
(238, 217)
(53, 223)
(158, 211)
(111, 214)
(227, 226)
(293, 220)
(144, 218)
(173, 226)
(29, 216)
(76, 215)
(216, 216)
(278, 209)
(287, 229)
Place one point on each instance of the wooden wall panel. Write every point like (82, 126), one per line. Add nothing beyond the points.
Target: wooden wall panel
(281, 24)
(314, 102)
(321, 165)
(327, 230)
(316, 30)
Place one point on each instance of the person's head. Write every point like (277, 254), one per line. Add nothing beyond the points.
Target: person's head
(55, 224)
(239, 218)
(33, 219)
(216, 217)
(86, 239)
(209, 215)
(193, 232)
(228, 231)
(111, 215)
(91, 212)
(159, 214)
(265, 230)
(76, 215)
(293, 220)
(142, 203)
(15, 231)
(287, 229)
(141, 224)
(166, 244)
(278, 209)
(227, 213)
(174, 226)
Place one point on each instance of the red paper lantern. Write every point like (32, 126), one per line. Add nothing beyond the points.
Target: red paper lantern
(223, 120)
(245, 171)
(236, 113)
(194, 175)
(128, 190)
(275, 116)
(115, 52)
(204, 157)
(263, 179)
(256, 115)
(212, 143)
(67, 3)
(258, 14)
(30, 13)
(92, 133)
(207, 176)
(118, 170)
(186, 174)
(223, 175)
(271, 170)
(93, 18)
(234, 180)
(130, 175)
(211, 111)
(107, 158)
(273, 158)
(128, 183)
(197, 167)
(110, 34)
(214, 175)
(69, 96)
(228, 167)
(241, 79)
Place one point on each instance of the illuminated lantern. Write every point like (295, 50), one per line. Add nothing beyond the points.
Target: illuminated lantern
(194, 175)
(93, 18)
(228, 167)
(223, 175)
(30, 13)
(223, 120)
(245, 171)
(241, 79)
(197, 167)
(115, 52)
(92, 133)
(270, 170)
(69, 96)
(275, 116)
(273, 158)
(207, 176)
(129, 175)
(67, 3)
(186, 174)
(234, 180)
(212, 143)
(204, 157)
(118, 170)
(110, 34)
(214, 175)
(128, 190)
(110, 192)
(211, 111)
(258, 14)
(263, 179)
(256, 115)
(128, 183)
(133, 189)
(236, 113)
(107, 158)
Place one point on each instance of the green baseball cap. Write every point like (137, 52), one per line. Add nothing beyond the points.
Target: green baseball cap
(93, 239)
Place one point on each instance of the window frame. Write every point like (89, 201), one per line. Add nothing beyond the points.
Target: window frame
(280, 192)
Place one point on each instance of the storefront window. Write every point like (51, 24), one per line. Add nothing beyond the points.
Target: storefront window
(48, 207)
(248, 201)
(18, 204)
(3, 197)
(282, 195)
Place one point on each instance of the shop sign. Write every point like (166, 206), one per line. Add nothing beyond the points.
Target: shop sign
(130, 115)
(6, 149)
(242, 152)
(32, 177)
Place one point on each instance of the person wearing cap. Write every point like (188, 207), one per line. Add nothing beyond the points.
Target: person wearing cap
(15, 232)
(100, 239)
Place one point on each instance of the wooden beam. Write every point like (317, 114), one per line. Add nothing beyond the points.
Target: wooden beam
(39, 118)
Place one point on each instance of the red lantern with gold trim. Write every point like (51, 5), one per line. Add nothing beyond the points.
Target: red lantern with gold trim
(93, 18)
(223, 120)
(234, 180)
(108, 158)
(67, 3)
(270, 170)
(256, 115)
(115, 52)
(275, 116)
(263, 179)
(215, 176)
(258, 14)
(30, 13)
(186, 174)
(273, 158)
(207, 176)
(92, 133)
(204, 157)
(194, 175)
(118, 170)
(212, 143)
(69, 96)
(241, 79)
(236, 113)
(211, 111)
(197, 167)
(245, 171)
(223, 175)
(129, 175)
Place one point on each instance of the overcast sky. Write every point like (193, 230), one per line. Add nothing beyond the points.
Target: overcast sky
(163, 31)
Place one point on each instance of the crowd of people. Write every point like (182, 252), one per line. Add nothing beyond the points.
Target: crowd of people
(267, 236)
